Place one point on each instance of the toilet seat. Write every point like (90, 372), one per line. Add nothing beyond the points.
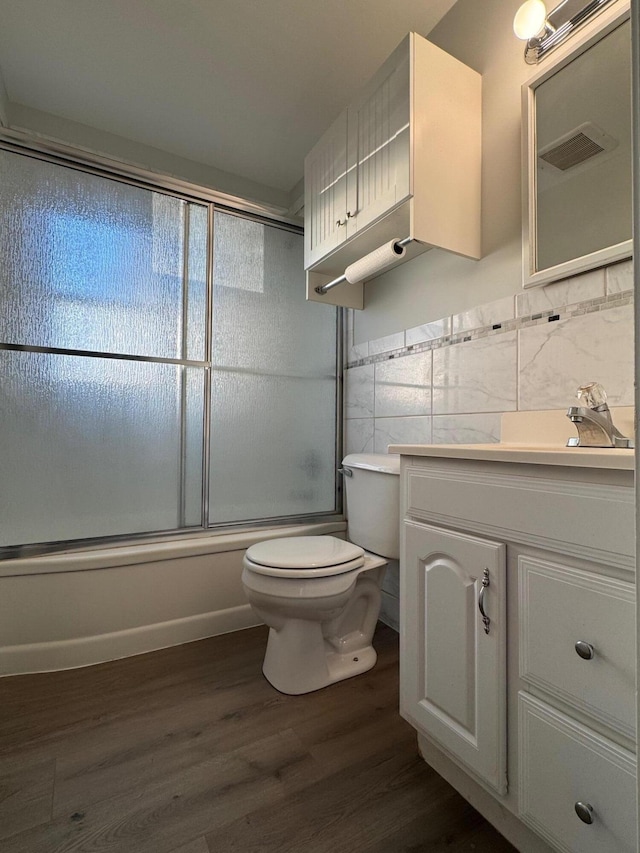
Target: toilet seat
(304, 557)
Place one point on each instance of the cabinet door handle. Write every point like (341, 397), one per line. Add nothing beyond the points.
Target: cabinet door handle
(485, 583)
(351, 215)
(584, 811)
(585, 650)
(341, 222)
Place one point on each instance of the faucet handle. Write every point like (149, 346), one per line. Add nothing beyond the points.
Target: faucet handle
(592, 395)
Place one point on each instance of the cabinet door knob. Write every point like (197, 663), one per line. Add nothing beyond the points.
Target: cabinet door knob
(485, 583)
(585, 650)
(584, 812)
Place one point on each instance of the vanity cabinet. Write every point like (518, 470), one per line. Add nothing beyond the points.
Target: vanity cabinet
(555, 676)
(402, 160)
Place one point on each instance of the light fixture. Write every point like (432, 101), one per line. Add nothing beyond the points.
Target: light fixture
(530, 20)
(544, 30)
(531, 25)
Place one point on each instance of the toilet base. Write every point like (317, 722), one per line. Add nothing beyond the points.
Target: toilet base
(315, 641)
(319, 665)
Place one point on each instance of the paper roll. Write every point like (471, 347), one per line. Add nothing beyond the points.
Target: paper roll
(375, 262)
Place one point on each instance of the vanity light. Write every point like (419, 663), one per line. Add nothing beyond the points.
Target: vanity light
(544, 30)
(531, 25)
(530, 20)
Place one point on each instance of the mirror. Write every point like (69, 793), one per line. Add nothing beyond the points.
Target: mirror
(577, 118)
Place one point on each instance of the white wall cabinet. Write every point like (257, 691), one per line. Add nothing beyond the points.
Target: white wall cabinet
(555, 677)
(402, 160)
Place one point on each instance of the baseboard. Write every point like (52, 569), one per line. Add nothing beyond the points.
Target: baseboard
(85, 651)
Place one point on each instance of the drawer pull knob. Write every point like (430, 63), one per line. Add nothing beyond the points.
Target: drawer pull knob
(485, 583)
(585, 650)
(584, 812)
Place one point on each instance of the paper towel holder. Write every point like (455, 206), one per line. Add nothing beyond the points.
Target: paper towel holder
(325, 288)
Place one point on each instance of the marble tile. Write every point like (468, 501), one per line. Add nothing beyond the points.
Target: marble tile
(476, 376)
(589, 285)
(403, 386)
(401, 431)
(481, 428)
(357, 352)
(358, 391)
(555, 358)
(428, 332)
(358, 435)
(386, 344)
(619, 277)
(484, 315)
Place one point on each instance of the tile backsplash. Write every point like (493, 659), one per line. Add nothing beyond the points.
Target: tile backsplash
(449, 381)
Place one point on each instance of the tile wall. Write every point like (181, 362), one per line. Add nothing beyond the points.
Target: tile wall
(449, 381)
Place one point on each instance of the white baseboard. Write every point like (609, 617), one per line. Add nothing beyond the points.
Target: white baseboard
(85, 651)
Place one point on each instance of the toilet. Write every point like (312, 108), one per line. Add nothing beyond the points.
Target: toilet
(320, 595)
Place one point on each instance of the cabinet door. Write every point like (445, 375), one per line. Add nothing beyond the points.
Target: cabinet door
(379, 144)
(453, 673)
(325, 193)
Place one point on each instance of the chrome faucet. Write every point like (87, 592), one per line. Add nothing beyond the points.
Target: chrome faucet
(593, 420)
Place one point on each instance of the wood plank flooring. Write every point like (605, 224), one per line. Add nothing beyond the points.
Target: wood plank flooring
(190, 750)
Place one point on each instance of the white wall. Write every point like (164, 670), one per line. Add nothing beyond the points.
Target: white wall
(4, 103)
(437, 284)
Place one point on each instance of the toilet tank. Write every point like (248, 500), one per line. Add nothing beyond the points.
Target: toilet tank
(373, 502)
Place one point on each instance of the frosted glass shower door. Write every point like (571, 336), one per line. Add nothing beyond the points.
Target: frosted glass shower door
(273, 386)
(103, 292)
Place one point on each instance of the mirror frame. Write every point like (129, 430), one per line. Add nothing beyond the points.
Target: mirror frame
(609, 19)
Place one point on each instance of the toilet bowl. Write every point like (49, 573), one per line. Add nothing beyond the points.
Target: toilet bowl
(320, 595)
(321, 615)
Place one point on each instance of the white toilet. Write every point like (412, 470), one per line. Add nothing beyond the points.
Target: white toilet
(319, 595)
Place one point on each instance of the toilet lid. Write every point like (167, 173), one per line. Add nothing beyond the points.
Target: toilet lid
(312, 555)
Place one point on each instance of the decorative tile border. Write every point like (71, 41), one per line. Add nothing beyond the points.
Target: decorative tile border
(589, 306)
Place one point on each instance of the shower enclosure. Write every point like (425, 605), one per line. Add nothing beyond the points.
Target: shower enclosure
(160, 370)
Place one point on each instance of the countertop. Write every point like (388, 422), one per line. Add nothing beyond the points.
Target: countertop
(581, 457)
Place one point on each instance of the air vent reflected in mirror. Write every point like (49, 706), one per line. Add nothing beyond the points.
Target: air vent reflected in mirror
(577, 146)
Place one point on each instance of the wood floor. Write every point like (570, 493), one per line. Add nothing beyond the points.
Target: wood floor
(190, 750)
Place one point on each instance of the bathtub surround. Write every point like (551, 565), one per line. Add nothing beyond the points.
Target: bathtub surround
(448, 381)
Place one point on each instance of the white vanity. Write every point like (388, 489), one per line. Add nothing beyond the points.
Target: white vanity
(518, 635)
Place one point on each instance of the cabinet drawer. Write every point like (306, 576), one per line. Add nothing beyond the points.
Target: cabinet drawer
(508, 504)
(560, 606)
(563, 763)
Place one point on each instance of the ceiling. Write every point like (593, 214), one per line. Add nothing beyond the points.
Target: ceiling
(245, 86)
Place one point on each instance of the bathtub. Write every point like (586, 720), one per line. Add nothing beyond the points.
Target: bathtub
(78, 608)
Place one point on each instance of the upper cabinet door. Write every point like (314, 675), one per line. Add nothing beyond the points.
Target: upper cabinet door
(452, 670)
(379, 152)
(325, 177)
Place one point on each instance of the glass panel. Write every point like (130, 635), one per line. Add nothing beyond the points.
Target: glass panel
(274, 379)
(94, 264)
(91, 446)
